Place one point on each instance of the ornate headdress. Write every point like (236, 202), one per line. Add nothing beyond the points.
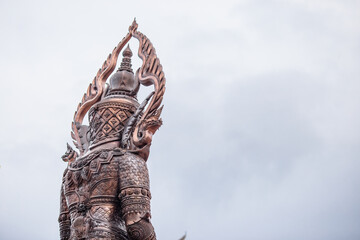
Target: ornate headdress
(114, 113)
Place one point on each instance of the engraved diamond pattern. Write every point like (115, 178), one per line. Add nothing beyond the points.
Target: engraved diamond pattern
(107, 122)
(114, 122)
(107, 128)
(101, 213)
(121, 115)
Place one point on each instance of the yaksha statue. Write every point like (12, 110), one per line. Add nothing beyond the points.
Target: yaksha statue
(105, 188)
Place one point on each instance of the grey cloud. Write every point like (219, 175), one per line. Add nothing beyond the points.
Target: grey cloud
(261, 120)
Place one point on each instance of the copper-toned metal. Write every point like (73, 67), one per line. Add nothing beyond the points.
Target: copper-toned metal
(105, 190)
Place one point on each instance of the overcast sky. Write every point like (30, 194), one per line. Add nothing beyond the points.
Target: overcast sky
(261, 134)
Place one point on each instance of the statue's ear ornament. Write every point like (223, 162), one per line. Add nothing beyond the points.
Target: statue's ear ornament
(140, 127)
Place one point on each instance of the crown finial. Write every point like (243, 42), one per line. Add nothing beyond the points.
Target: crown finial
(127, 52)
(126, 61)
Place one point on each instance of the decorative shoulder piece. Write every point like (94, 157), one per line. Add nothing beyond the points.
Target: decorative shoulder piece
(70, 155)
(150, 73)
(115, 116)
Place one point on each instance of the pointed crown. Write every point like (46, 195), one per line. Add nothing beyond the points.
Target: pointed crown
(123, 81)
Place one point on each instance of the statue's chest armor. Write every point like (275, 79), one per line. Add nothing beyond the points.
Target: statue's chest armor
(91, 180)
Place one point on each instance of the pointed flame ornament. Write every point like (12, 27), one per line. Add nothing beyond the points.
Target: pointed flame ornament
(105, 190)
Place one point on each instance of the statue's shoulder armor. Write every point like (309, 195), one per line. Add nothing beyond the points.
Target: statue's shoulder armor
(133, 172)
(91, 170)
(92, 160)
(92, 163)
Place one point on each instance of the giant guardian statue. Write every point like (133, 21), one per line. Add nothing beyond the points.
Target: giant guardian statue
(105, 190)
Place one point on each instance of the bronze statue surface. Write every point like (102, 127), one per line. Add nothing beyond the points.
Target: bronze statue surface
(105, 190)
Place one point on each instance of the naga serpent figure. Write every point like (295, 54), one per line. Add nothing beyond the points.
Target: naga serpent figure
(105, 188)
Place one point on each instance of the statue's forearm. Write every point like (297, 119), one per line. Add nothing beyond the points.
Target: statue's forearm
(141, 230)
(136, 213)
